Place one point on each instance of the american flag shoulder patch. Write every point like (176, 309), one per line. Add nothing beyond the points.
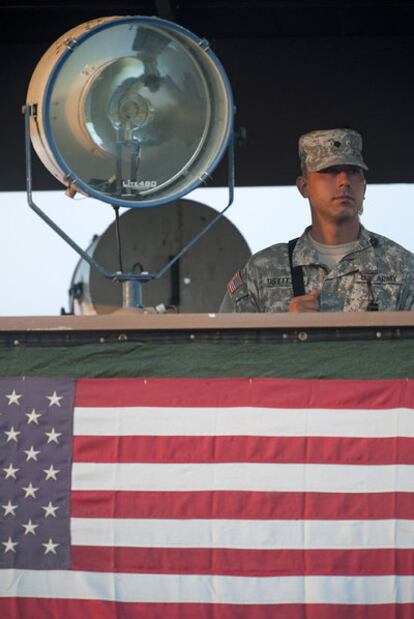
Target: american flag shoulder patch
(235, 283)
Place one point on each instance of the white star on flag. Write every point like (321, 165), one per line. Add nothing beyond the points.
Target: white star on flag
(53, 436)
(30, 528)
(9, 545)
(33, 417)
(51, 472)
(12, 434)
(30, 491)
(14, 398)
(10, 472)
(9, 509)
(50, 547)
(31, 454)
(50, 509)
(54, 399)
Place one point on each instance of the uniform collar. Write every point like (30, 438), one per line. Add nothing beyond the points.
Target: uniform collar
(362, 258)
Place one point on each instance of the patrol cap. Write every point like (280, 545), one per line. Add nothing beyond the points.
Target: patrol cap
(323, 148)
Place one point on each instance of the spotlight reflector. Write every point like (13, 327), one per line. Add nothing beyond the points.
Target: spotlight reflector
(134, 111)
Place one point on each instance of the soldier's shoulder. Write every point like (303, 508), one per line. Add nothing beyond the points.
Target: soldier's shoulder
(268, 254)
(390, 249)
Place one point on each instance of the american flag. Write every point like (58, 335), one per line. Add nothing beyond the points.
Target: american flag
(206, 498)
(235, 282)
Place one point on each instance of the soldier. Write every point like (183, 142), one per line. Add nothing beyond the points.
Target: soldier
(336, 265)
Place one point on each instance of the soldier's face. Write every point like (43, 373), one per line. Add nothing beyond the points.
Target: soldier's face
(335, 193)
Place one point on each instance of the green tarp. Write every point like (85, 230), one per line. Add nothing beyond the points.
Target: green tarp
(350, 359)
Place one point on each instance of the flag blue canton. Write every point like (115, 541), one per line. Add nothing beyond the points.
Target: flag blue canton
(36, 422)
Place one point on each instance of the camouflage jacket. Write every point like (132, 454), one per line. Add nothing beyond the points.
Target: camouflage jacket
(378, 270)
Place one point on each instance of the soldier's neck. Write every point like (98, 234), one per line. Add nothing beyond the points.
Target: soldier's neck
(332, 233)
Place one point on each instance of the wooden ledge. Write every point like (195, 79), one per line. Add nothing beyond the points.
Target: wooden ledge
(146, 322)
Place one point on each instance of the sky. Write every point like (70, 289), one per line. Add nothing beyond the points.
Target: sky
(37, 265)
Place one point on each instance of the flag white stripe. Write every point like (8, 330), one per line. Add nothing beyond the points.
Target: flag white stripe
(243, 476)
(207, 589)
(243, 534)
(243, 421)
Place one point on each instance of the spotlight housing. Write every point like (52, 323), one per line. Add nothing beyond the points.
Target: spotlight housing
(134, 111)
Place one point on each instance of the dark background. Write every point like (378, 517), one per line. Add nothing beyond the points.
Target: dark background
(293, 65)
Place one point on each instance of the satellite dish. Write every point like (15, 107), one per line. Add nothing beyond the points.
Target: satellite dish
(196, 283)
(134, 111)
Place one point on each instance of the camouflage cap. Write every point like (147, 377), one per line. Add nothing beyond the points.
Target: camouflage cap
(324, 148)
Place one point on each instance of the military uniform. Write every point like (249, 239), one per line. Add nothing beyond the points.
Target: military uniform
(374, 274)
(378, 271)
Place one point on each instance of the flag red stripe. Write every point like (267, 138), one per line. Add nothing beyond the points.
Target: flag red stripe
(266, 392)
(241, 562)
(242, 505)
(206, 449)
(19, 608)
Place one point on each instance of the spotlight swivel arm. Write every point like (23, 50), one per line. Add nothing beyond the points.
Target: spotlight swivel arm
(131, 282)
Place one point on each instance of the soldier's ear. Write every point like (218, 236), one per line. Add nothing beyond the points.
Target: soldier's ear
(302, 185)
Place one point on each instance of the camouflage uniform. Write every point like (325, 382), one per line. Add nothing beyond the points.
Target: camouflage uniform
(377, 273)
(378, 270)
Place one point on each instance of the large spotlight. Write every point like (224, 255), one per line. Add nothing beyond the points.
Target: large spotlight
(134, 111)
